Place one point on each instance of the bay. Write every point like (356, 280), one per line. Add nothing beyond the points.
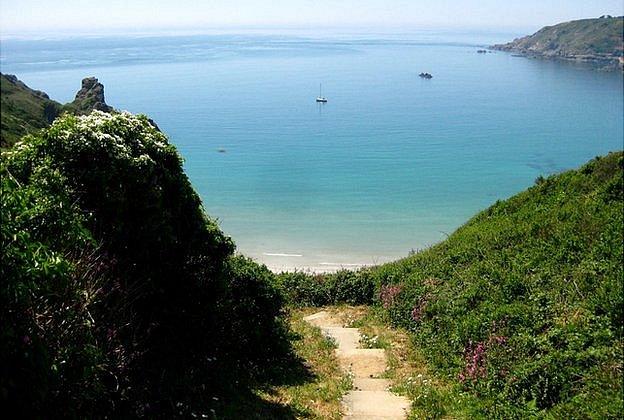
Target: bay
(390, 164)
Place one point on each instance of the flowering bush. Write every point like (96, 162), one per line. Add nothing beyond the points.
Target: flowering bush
(419, 309)
(120, 296)
(475, 356)
(388, 294)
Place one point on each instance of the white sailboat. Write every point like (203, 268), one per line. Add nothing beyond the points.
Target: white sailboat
(321, 98)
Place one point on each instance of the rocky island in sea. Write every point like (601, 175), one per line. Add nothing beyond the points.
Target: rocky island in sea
(598, 42)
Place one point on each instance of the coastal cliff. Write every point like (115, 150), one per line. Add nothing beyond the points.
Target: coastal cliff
(25, 110)
(598, 42)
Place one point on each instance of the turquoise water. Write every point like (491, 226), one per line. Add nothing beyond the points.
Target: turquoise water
(391, 163)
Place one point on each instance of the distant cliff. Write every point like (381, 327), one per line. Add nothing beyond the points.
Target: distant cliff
(25, 110)
(595, 41)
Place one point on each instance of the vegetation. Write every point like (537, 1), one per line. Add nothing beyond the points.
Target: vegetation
(599, 40)
(119, 296)
(314, 393)
(23, 110)
(304, 289)
(26, 111)
(522, 306)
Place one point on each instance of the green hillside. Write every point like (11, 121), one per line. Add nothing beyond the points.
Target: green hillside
(521, 307)
(598, 40)
(24, 110)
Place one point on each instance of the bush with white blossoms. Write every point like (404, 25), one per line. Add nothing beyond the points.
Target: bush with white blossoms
(123, 293)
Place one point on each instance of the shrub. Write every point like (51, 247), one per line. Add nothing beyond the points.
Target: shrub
(120, 296)
(251, 304)
(305, 289)
(51, 277)
(355, 288)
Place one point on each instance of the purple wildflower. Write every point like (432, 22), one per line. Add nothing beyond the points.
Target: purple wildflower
(475, 358)
(388, 294)
(419, 309)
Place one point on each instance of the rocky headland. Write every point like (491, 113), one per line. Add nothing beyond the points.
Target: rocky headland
(597, 42)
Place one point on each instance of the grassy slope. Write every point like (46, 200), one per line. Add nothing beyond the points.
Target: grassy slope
(537, 280)
(595, 37)
(521, 308)
(23, 110)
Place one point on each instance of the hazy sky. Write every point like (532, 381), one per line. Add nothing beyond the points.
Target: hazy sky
(110, 15)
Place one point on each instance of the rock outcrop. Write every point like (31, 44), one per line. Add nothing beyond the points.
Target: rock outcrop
(25, 110)
(90, 97)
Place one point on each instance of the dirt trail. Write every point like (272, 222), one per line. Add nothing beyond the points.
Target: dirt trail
(370, 398)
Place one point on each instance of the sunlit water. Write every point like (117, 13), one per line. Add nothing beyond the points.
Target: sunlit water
(391, 163)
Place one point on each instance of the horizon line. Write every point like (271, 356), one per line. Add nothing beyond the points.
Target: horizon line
(266, 29)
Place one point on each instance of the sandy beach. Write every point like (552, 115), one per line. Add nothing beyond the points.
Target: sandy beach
(284, 262)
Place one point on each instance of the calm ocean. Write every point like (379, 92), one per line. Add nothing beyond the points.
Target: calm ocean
(391, 163)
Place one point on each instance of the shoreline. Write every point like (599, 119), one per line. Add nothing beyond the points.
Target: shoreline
(592, 62)
(278, 262)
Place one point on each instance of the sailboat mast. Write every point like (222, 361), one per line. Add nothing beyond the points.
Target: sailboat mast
(321, 98)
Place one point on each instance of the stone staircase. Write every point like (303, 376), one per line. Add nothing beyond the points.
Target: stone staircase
(370, 397)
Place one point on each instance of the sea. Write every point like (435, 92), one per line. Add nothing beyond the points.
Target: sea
(391, 164)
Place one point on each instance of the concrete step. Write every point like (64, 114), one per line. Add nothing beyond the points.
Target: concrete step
(375, 404)
(363, 363)
(346, 338)
(370, 384)
(370, 398)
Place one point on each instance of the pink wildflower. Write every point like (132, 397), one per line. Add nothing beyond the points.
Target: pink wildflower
(419, 309)
(388, 294)
(475, 358)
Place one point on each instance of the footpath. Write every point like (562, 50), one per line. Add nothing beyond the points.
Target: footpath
(370, 398)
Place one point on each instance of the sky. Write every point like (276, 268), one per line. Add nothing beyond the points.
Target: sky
(96, 16)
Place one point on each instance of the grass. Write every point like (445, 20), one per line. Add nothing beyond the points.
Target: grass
(313, 392)
(23, 111)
